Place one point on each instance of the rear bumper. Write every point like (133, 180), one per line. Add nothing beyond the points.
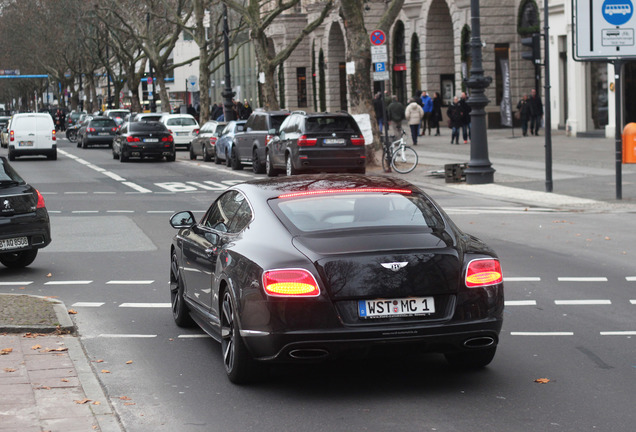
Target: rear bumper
(31, 151)
(35, 226)
(92, 140)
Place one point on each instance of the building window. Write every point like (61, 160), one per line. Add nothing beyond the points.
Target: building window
(187, 36)
(301, 86)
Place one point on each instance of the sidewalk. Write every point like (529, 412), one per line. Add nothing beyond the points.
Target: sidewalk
(46, 381)
(583, 170)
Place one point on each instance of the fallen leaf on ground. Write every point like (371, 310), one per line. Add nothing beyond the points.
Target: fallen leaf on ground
(61, 349)
(72, 312)
(9, 370)
(6, 351)
(34, 347)
(129, 362)
(49, 275)
(542, 380)
(99, 361)
(64, 380)
(105, 371)
(97, 403)
(129, 403)
(124, 398)
(82, 402)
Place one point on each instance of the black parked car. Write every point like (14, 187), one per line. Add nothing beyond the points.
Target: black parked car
(316, 142)
(204, 144)
(143, 139)
(310, 268)
(24, 221)
(97, 130)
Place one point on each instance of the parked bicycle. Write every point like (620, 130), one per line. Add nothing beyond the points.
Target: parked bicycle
(403, 158)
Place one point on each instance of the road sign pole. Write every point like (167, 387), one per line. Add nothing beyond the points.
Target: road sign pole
(618, 65)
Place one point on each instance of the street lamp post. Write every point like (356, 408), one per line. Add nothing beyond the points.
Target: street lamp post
(228, 94)
(153, 105)
(479, 169)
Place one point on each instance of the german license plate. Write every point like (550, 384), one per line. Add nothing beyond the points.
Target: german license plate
(334, 141)
(14, 243)
(387, 308)
(151, 140)
(103, 133)
(26, 143)
(182, 133)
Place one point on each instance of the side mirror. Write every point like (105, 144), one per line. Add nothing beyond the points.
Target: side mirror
(281, 135)
(272, 131)
(183, 219)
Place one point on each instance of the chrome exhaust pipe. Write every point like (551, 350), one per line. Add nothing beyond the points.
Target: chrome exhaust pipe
(309, 354)
(479, 342)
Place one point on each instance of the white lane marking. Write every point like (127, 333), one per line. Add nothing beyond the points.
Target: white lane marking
(76, 282)
(54, 211)
(633, 302)
(129, 282)
(87, 304)
(15, 283)
(630, 278)
(96, 168)
(216, 168)
(145, 305)
(193, 336)
(75, 193)
(582, 302)
(206, 187)
(160, 211)
(136, 187)
(618, 333)
(114, 176)
(120, 211)
(582, 279)
(541, 333)
(520, 303)
(522, 279)
(48, 193)
(84, 211)
(111, 335)
(104, 193)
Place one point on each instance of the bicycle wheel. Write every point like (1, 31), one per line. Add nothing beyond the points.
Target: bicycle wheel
(384, 162)
(404, 160)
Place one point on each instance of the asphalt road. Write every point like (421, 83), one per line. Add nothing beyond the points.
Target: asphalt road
(570, 299)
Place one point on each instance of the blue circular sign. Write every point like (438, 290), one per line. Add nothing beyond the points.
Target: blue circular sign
(617, 12)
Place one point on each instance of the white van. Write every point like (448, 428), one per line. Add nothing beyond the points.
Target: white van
(32, 134)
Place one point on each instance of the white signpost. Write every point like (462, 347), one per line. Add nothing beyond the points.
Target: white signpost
(604, 29)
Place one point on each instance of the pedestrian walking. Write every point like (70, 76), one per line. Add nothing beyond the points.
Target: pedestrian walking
(427, 106)
(455, 119)
(436, 116)
(524, 114)
(414, 114)
(395, 113)
(536, 112)
(465, 109)
(378, 107)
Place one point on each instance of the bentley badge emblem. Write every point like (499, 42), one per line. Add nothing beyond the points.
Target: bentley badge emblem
(395, 266)
(6, 204)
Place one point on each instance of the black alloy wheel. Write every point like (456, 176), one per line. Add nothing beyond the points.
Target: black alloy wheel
(257, 166)
(235, 162)
(239, 366)
(18, 259)
(193, 155)
(207, 157)
(180, 312)
(269, 166)
(228, 161)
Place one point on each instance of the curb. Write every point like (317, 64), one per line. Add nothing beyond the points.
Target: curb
(65, 326)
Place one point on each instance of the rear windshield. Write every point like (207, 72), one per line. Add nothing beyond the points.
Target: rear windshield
(359, 210)
(219, 129)
(8, 174)
(150, 118)
(331, 124)
(75, 116)
(114, 114)
(103, 123)
(277, 120)
(181, 121)
(147, 127)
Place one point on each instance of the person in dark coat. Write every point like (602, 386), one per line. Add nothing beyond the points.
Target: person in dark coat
(395, 113)
(436, 117)
(456, 119)
(466, 109)
(536, 112)
(524, 114)
(378, 108)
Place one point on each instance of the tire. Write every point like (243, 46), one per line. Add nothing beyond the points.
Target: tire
(52, 155)
(216, 158)
(234, 161)
(18, 259)
(180, 311)
(11, 155)
(123, 157)
(289, 166)
(404, 160)
(239, 366)
(257, 166)
(72, 136)
(359, 170)
(206, 156)
(115, 155)
(269, 166)
(84, 145)
(193, 156)
(172, 157)
(228, 161)
(474, 359)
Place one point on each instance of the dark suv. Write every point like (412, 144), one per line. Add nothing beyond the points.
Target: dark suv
(316, 142)
(249, 146)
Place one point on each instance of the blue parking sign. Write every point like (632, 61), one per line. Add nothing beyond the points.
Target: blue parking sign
(380, 67)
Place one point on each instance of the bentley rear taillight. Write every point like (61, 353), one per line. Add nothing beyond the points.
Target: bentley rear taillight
(40, 203)
(290, 283)
(483, 272)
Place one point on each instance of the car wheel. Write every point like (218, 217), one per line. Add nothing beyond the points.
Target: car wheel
(180, 312)
(207, 157)
(172, 157)
(228, 161)
(217, 160)
(52, 155)
(235, 163)
(11, 155)
(269, 166)
(123, 157)
(257, 166)
(474, 359)
(115, 155)
(289, 166)
(72, 136)
(239, 366)
(18, 259)
(193, 156)
(84, 145)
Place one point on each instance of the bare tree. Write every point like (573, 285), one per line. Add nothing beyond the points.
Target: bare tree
(259, 15)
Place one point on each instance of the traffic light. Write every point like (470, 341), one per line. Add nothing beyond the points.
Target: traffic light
(534, 42)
